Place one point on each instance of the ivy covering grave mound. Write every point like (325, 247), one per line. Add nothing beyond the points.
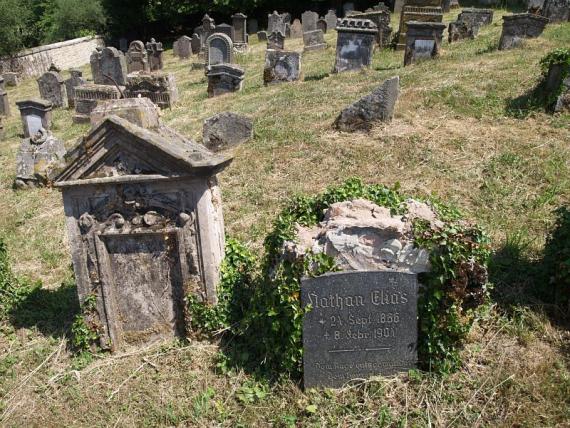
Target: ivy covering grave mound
(557, 57)
(261, 314)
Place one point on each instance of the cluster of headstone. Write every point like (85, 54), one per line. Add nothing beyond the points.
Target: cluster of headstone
(554, 10)
(520, 26)
(237, 32)
(418, 11)
(379, 15)
(468, 23)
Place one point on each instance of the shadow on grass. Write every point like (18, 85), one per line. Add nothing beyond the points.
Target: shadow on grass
(50, 311)
(533, 100)
(316, 77)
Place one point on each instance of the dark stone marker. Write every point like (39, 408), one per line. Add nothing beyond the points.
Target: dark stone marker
(360, 324)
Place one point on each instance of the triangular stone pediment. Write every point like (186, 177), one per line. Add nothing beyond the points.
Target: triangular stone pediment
(118, 149)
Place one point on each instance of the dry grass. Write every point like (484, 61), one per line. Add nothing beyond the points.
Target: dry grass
(452, 136)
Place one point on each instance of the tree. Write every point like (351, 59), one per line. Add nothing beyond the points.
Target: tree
(68, 19)
(15, 19)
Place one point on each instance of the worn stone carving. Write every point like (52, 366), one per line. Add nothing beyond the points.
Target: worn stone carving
(88, 96)
(556, 10)
(158, 86)
(314, 41)
(145, 226)
(520, 26)
(4, 103)
(35, 114)
(219, 50)
(417, 11)
(276, 41)
(226, 130)
(460, 30)
(137, 57)
(140, 111)
(275, 22)
(377, 107)
(423, 41)
(74, 81)
(309, 20)
(281, 66)
(154, 50)
(109, 67)
(184, 47)
(37, 157)
(355, 44)
(52, 88)
(379, 15)
(224, 78)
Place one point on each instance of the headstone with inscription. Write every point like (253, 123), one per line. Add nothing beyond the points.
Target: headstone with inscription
(35, 114)
(355, 44)
(276, 40)
(184, 45)
(275, 22)
(108, 66)
(196, 43)
(423, 41)
(331, 18)
(52, 88)
(239, 23)
(520, 26)
(219, 50)
(359, 324)
(137, 57)
(154, 50)
(281, 66)
(309, 20)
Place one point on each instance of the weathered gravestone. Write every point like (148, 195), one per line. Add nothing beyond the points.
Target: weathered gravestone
(478, 17)
(377, 107)
(224, 78)
(35, 114)
(520, 26)
(558, 84)
(239, 23)
(460, 30)
(314, 41)
(37, 157)
(556, 10)
(11, 78)
(296, 29)
(252, 26)
(355, 44)
(347, 8)
(281, 66)
(219, 50)
(88, 96)
(145, 226)
(108, 67)
(196, 43)
(226, 130)
(184, 45)
(123, 44)
(52, 88)
(158, 86)
(275, 22)
(322, 25)
(175, 48)
(331, 18)
(417, 11)
(4, 103)
(423, 41)
(140, 111)
(262, 36)
(74, 81)
(226, 29)
(309, 20)
(154, 50)
(380, 15)
(276, 41)
(358, 324)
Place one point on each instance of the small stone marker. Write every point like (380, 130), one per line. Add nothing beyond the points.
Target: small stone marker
(296, 29)
(314, 41)
(331, 19)
(355, 44)
(322, 25)
(11, 79)
(224, 78)
(309, 20)
(276, 41)
(360, 324)
(226, 130)
(52, 88)
(184, 47)
(35, 114)
(154, 50)
(261, 36)
(377, 107)
(219, 50)
(281, 66)
(196, 44)
(4, 103)
(75, 80)
(423, 41)
(520, 26)
(460, 30)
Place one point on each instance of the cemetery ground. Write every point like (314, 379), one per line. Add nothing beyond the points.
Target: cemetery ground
(457, 134)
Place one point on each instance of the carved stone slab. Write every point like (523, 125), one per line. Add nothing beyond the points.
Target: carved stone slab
(360, 324)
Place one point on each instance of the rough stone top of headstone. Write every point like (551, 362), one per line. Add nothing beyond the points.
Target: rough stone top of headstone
(517, 16)
(232, 69)
(476, 10)
(426, 25)
(55, 74)
(140, 111)
(37, 103)
(178, 155)
(356, 25)
(239, 15)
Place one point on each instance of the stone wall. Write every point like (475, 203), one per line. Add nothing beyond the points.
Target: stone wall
(34, 62)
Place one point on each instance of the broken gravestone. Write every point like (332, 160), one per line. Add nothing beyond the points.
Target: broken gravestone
(276, 41)
(226, 130)
(224, 78)
(281, 66)
(140, 111)
(376, 107)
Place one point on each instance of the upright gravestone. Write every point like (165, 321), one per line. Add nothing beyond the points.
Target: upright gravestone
(75, 80)
(520, 26)
(4, 103)
(154, 50)
(423, 41)
(309, 20)
(137, 58)
(196, 43)
(262, 36)
(359, 324)
(11, 78)
(380, 15)
(459, 30)
(224, 78)
(556, 10)
(331, 18)
(276, 40)
(226, 29)
(314, 40)
(136, 260)
(219, 50)
(207, 29)
(296, 29)
(109, 67)
(252, 26)
(52, 88)
(418, 11)
(281, 66)
(355, 44)
(275, 22)
(175, 48)
(184, 47)
(35, 114)
(322, 25)
(239, 23)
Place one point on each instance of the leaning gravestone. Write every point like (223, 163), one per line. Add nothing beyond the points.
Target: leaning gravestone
(226, 130)
(52, 88)
(4, 103)
(309, 20)
(35, 114)
(520, 26)
(184, 45)
(355, 44)
(358, 324)
(219, 50)
(75, 80)
(281, 66)
(377, 107)
(314, 41)
(276, 41)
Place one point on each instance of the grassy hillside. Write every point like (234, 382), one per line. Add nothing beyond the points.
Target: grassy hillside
(454, 135)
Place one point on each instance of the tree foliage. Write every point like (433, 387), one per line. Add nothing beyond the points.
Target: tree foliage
(15, 20)
(68, 19)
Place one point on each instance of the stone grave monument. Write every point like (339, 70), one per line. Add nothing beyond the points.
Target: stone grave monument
(88, 96)
(520, 26)
(184, 47)
(322, 25)
(74, 81)
(556, 10)
(355, 44)
(296, 29)
(275, 22)
(313, 41)
(219, 50)
(281, 66)
(379, 15)
(309, 21)
(11, 78)
(196, 43)
(226, 130)
(140, 111)
(459, 30)
(144, 219)
(478, 17)
(4, 102)
(331, 18)
(158, 86)
(276, 41)
(52, 88)
(154, 50)
(239, 23)
(420, 11)
(224, 78)
(37, 157)
(261, 36)
(226, 29)
(137, 57)
(423, 41)
(35, 114)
